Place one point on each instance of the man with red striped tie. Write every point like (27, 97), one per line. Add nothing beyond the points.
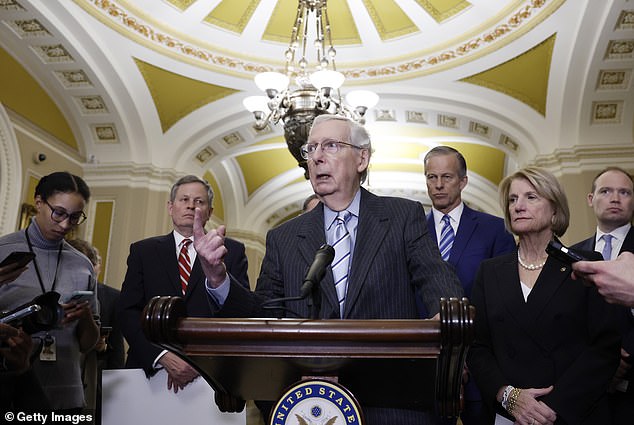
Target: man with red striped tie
(168, 265)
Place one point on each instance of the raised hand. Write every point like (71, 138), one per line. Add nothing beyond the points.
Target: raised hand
(210, 247)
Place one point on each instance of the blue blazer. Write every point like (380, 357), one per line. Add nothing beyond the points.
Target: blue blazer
(480, 236)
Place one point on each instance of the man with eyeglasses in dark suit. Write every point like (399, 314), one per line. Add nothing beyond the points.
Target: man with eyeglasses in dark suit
(389, 255)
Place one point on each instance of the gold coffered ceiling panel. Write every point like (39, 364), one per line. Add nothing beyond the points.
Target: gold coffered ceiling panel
(232, 15)
(343, 28)
(441, 10)
(483, 160)
(181, 4)
(524, 77)
(176, 96)
(389, 19)
(260, 167)
(22, 94)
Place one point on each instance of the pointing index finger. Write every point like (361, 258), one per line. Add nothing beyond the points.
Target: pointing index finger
(199, 230)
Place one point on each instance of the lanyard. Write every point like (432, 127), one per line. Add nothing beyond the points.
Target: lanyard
(37, 269)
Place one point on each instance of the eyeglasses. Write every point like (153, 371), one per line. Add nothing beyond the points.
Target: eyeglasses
(58, 215)
(329, 146)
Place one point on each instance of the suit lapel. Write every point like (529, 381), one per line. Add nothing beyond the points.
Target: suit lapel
(197, 277)
(431, 227)
(551, 278)
(526, 313)
(508, 286)
(628, 243)
(167, 255)
(314, 236)
(588, 244)
(371, 230)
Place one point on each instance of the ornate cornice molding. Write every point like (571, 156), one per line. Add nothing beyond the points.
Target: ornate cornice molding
(521, 20)
(131, 174)
(587, 158)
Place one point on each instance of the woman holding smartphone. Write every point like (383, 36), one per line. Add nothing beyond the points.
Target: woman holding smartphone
(60, 199)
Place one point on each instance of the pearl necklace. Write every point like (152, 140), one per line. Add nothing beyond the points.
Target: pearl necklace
(529, 266)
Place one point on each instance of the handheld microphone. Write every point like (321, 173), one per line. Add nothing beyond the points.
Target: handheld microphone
(323, 257)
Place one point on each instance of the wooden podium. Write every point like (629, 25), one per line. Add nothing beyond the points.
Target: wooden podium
(395, 363)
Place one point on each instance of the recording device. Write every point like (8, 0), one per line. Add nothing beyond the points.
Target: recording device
(47, 317)
(564, 254)
(20, 314)
(79, 296)
(18, 258)
(323, 257)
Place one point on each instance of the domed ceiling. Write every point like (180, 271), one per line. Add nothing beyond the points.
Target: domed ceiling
(156, 87)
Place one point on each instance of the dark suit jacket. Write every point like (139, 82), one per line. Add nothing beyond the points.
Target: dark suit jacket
(626, 320)
(480, 236)
(392, 256)
(565, 335)
(113, 357)
(153, 271)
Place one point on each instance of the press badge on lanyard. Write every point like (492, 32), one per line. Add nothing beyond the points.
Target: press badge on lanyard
(49, 349)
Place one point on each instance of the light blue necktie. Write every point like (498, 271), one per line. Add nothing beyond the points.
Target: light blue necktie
(607, 248)
(341, 262)
(446, 238)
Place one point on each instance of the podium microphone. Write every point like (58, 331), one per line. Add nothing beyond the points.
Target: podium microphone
(323, 257)
(310, 286)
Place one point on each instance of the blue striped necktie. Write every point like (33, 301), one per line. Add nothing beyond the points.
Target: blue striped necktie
(341, 262)
(607, 248)
(446, 238)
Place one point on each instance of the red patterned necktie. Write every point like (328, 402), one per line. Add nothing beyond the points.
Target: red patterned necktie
(184, 265)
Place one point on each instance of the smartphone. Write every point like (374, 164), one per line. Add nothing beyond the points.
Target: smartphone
(20, 314)
(79, 296)
(18, 258)
(562, 253)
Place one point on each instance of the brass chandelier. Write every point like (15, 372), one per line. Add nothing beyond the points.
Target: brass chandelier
(305, 91)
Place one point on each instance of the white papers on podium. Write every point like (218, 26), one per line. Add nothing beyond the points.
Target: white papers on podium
(129, 398)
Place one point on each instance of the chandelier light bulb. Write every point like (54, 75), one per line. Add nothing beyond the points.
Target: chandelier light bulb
(255, 103)
(315, 86)
(327, 78)
(364, 98)
(271, 81)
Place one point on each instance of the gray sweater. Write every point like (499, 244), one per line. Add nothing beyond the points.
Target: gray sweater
(61, 379)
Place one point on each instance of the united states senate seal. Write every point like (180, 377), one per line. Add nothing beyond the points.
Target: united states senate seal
(317, 402)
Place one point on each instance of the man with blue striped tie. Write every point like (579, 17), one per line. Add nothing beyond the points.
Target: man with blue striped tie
(383, 255)
(465, 237)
